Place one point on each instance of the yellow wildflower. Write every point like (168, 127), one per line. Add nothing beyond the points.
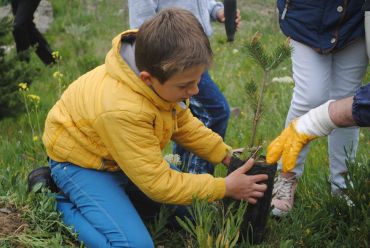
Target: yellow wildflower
(58, 75)
(22, 86)
(34, 98)
(173, 159)
(56, 55)
(35, 138)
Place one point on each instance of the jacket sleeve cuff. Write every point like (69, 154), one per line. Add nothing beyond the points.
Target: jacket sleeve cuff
(220, 188)
(219, 153)
(361, 106)
(215, 9)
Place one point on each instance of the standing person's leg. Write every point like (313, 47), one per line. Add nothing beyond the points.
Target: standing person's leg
(97, 206)
(211, 99)
(23, 16)
(211, 107)
(43, 49)
(312, 77)
(25, 32)
(349, 68)
(367, 32)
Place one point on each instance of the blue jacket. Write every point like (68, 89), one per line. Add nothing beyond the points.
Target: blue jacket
(361, 106)
(324, 25)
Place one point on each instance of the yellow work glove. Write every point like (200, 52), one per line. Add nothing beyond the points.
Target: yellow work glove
(290, 142)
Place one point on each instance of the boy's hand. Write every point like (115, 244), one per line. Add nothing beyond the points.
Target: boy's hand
(221, 17)
(243, 187)
(226, 161)
(301, 131)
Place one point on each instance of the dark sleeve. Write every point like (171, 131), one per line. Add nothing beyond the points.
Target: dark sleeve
(366, 6)
(361, 106)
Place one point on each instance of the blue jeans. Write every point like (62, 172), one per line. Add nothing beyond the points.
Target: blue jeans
(104, 208)
(211, 107)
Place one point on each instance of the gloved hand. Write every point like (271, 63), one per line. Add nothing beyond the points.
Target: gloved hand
(299, 132)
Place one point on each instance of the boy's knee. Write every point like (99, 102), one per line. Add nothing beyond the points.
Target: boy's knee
(144, 241)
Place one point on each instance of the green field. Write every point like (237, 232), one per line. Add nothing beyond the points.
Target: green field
(82, 32)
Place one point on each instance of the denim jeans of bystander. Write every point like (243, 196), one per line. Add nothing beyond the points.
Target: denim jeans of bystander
(211, 107)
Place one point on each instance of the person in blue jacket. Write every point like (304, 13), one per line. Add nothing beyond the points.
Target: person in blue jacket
(328, 62)
(209, 105)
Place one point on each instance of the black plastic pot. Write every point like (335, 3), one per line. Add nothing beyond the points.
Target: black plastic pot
(230, 15)
(255, 218)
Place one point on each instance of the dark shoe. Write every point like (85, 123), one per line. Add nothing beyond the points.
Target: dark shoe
(41, 175)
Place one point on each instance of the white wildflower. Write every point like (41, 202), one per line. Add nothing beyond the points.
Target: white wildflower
(173, 159)
(284, 80)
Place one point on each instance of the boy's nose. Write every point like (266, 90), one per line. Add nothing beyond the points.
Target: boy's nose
(193, 90)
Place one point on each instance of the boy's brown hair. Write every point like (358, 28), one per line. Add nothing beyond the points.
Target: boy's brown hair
(170, 42)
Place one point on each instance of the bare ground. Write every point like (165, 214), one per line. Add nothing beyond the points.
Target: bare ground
(10, 221)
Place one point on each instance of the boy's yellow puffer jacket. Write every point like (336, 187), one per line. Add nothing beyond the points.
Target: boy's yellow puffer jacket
(109, 119)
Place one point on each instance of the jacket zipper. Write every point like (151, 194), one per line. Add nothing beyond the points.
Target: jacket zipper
(174, 118)
(287, 2)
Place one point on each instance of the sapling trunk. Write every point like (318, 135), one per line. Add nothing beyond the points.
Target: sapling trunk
(258, 112)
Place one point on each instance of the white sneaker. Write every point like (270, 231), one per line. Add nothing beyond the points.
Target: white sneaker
(283, 195)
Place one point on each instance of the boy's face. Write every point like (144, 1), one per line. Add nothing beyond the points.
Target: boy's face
(179, 87)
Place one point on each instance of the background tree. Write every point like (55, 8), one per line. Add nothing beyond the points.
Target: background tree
(12, 72)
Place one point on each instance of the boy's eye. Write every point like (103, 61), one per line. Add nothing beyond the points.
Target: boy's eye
(182, 86)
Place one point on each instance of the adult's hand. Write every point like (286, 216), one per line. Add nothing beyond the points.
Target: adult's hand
(288, 146)
(243, 187)
(290, 142)
(221, 17)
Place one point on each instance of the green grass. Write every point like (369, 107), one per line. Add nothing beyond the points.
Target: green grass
(82, 34)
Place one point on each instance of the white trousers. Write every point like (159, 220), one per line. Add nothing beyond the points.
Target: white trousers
(319, 78)
(367, 31)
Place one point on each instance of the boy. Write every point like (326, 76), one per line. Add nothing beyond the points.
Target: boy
(209, 105)
(105, 135)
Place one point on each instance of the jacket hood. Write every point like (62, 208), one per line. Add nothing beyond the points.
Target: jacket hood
(118, 69)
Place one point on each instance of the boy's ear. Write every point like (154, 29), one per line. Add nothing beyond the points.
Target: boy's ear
(146, 77)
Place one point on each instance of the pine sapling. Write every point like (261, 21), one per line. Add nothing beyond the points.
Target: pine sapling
(256, 92)
(255, 218)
